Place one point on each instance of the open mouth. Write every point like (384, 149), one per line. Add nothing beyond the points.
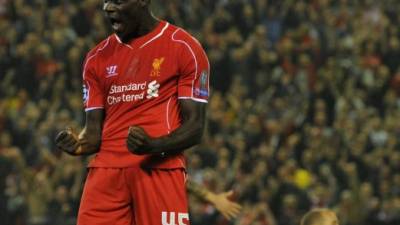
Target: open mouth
(116, 25)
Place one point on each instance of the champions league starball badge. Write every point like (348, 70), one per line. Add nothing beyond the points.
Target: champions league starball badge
(85, 93)
(203, 83)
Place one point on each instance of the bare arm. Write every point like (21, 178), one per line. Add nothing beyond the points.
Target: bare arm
(89, 139)
(197, 190)
(221, 201)
(187, 135)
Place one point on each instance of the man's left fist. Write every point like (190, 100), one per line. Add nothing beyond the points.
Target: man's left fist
(138, 141)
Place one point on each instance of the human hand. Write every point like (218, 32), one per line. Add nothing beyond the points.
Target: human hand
(224, 205)
(68, 142)
(138, 141)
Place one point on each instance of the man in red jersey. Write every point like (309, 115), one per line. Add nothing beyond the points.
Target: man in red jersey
(144, 92)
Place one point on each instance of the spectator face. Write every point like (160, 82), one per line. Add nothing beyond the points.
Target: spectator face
(126, 16)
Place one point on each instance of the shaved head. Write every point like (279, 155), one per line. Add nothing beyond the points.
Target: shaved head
(320, 217)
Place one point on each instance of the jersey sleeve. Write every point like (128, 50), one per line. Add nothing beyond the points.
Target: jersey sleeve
(93, 97)
(194, 71)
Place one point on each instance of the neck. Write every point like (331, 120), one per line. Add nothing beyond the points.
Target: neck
(148, 24)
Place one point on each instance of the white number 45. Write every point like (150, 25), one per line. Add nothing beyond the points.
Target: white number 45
(182, 219)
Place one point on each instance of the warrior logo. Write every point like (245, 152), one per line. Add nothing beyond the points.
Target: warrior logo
(111, 71)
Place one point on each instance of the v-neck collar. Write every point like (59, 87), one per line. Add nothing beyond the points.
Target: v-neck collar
(142, 41)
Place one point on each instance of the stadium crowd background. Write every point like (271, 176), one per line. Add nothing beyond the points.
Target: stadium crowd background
(304, 109)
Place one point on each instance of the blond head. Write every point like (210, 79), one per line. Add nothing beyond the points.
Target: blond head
(320, 217)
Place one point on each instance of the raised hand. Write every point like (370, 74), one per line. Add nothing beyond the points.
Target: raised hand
(224, 205)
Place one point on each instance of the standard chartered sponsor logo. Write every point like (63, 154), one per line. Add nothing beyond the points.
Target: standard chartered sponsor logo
(152, 90)
(132, 92)
(115, 89)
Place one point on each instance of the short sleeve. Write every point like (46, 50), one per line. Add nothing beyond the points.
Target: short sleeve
(194, 71)
(93, 97)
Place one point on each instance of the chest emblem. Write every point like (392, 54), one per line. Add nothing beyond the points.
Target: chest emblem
(152, 89)
(157, 62)
(111, 71)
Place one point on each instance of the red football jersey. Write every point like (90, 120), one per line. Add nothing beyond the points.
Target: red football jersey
(139, 83)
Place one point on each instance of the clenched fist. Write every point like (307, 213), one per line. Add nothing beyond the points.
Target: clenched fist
(139, 142)
(68, 142)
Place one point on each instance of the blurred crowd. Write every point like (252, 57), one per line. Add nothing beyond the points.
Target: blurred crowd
(304, 109)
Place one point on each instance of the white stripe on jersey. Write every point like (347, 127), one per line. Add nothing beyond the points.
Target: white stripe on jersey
(191, 51)
(194, 99)
(157, 36)
(86, 63)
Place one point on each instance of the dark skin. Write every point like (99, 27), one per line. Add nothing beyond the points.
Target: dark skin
(138, 141)
(131, 19)
(89, 139)
(187, 135)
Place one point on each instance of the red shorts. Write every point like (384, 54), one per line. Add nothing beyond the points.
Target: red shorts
(132, 196)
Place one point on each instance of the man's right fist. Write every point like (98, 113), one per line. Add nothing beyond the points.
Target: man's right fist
(68, 142)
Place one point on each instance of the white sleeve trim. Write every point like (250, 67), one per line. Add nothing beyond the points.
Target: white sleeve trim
(191, 51)
(85, 68)
(194, 99)
(92, 108)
